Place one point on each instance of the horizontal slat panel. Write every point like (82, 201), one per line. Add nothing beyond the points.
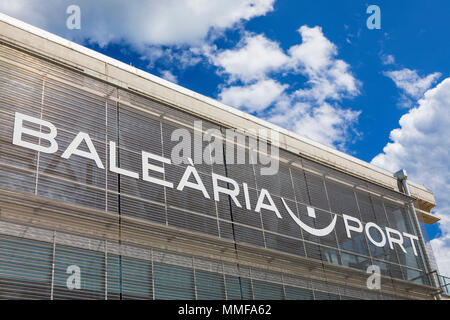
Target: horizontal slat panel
(74, 102)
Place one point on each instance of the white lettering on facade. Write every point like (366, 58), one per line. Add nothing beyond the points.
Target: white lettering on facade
(264, 201)
(73, 149)
(19, 131)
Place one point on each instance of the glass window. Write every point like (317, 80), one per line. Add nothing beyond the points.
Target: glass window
(248, 235)
(330, 255)
(378, 208)
(294, 293)
(299, 182)
(192, 221)
(129, 276)
(342, 199)
(25, 259)
(280, 243)
(383, 253)
(365, 206)
(267, 291)
(349, 298)
(316, 191)
(88, 265)
(210, 285)
(399, 219)
(238, 288)
(409, 258)
(396, 215)
(415, 276)
(113, 276)
(279, 184)
(137, 278)
(355, 261)
(356, 243)
(173, 282)
(313, 251)
(319, 295)
(389, 269)
(25, 268)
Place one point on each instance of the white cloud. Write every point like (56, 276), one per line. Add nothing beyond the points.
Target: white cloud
(253, 58)
(176, 30)
(441, 250)
(171, 57)
(387, 59)
(315, 51)
(324, 123)
(169, 76)
(411, 83)
(258, 62)
(329, 78)
(151, 22)
(255, 97)
(421, 146)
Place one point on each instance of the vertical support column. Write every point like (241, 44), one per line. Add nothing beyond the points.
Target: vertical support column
(369, 254)
(231, 215)
(392, 251)
(195, 279)
(153, 273)
(119, 193)
(53, 266)
(253, 162)
(215, 202)
(225, 283)
(296, 205)
(40, 130)
(164, 165)
(106, 269)
(251, 284)
(402, 177)
(106, 156)
(283, 286)
(325, 274)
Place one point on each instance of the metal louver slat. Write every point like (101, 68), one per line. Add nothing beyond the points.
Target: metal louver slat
(127, 235)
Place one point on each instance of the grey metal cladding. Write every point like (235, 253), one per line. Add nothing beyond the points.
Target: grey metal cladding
(74, 103)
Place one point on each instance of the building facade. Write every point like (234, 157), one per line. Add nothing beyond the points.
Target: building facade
(92, 207)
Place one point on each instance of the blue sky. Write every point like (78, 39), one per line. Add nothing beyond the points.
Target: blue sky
(310, 66)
